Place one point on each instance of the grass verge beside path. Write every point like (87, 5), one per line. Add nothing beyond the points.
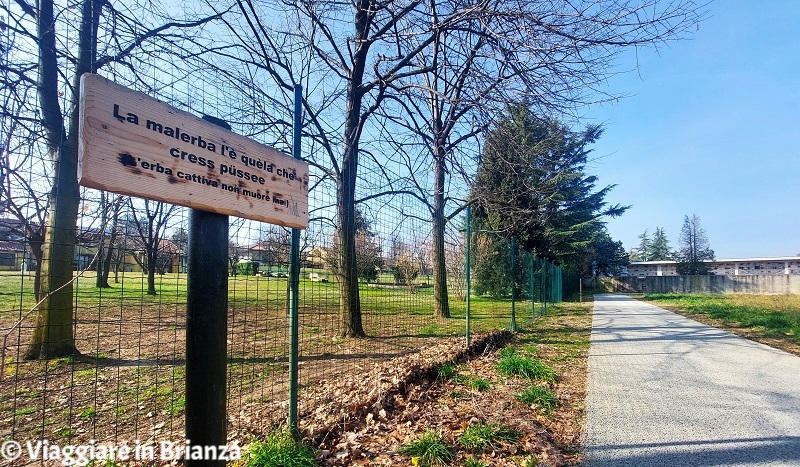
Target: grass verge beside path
(484, 409)
(561, 340)
(773, 320)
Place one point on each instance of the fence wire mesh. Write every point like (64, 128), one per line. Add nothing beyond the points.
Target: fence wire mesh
(128, 291)
(128, 381)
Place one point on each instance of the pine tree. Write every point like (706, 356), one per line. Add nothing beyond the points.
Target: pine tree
(605, 257)
(645, 246)
(532, 185)
(694, 248)
(659, 246)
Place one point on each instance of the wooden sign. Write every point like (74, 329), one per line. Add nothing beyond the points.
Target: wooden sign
(133, 144)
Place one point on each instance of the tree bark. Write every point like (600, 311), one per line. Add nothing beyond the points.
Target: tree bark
(349, 298)
(152, 257)
(53, 335)
(439, 224)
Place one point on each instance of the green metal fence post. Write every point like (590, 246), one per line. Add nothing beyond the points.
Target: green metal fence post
(560, 285)
(533, 289)
(513, 285)
(544, 284)
(469, 243)
(556, 275)
(294, 280)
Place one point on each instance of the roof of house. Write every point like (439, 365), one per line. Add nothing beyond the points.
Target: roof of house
(11, 246)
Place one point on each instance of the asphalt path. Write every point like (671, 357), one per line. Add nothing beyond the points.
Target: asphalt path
(668, 391)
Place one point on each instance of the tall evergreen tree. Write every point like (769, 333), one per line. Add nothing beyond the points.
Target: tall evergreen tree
(694, 248)
(604, 256)
(531, 184)
(659, 246)
(645, 246)
(493, 272)
(633, 255)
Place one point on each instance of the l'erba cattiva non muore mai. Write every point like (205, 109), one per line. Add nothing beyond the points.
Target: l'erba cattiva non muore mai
(135, 145)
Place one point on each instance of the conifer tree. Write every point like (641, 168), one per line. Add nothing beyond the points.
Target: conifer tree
(531, 184)
(659, 246)
(694, 248)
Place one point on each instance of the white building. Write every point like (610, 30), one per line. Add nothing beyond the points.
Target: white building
(722, 267)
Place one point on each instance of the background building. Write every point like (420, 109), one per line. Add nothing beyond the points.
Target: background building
(722, 267)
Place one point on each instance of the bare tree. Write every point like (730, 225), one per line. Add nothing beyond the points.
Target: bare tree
(455, 255)
(346, 54)
(110, 209)
(56, 45)
(404, 264)
(554, 55)
(53, 335)
(22, 181)
(368, 252)
(272, 247)
(151, 223)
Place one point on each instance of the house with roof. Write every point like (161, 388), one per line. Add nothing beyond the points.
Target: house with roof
(12, 255)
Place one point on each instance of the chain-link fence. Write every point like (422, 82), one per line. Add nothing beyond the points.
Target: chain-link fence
(124, 383)
(128, 381)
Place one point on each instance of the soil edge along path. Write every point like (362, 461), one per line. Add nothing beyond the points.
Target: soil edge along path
(666, 390)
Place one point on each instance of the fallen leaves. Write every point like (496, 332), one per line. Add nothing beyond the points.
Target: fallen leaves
(363, 418)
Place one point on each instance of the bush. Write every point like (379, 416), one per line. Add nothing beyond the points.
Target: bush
(247, 268)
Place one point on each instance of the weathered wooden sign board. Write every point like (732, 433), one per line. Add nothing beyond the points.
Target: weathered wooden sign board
(133, 144)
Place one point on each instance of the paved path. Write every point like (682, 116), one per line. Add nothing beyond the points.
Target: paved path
(668, 391)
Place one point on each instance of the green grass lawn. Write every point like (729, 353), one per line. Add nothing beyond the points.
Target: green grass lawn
(250, 292)
(130, 373)
(771, 316)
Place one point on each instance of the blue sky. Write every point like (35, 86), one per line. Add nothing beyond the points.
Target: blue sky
(711, 126)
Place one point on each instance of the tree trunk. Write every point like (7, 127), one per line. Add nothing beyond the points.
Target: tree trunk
(103, 265)
(152, 257)
(110, 252)
(102, 277)
(349, 298)
(53, 335)
(119, 263)
(102, 251)
(37, 256)
(439, 223)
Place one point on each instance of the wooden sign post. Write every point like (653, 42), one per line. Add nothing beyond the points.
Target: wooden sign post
(133, 144)
(136, 145)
